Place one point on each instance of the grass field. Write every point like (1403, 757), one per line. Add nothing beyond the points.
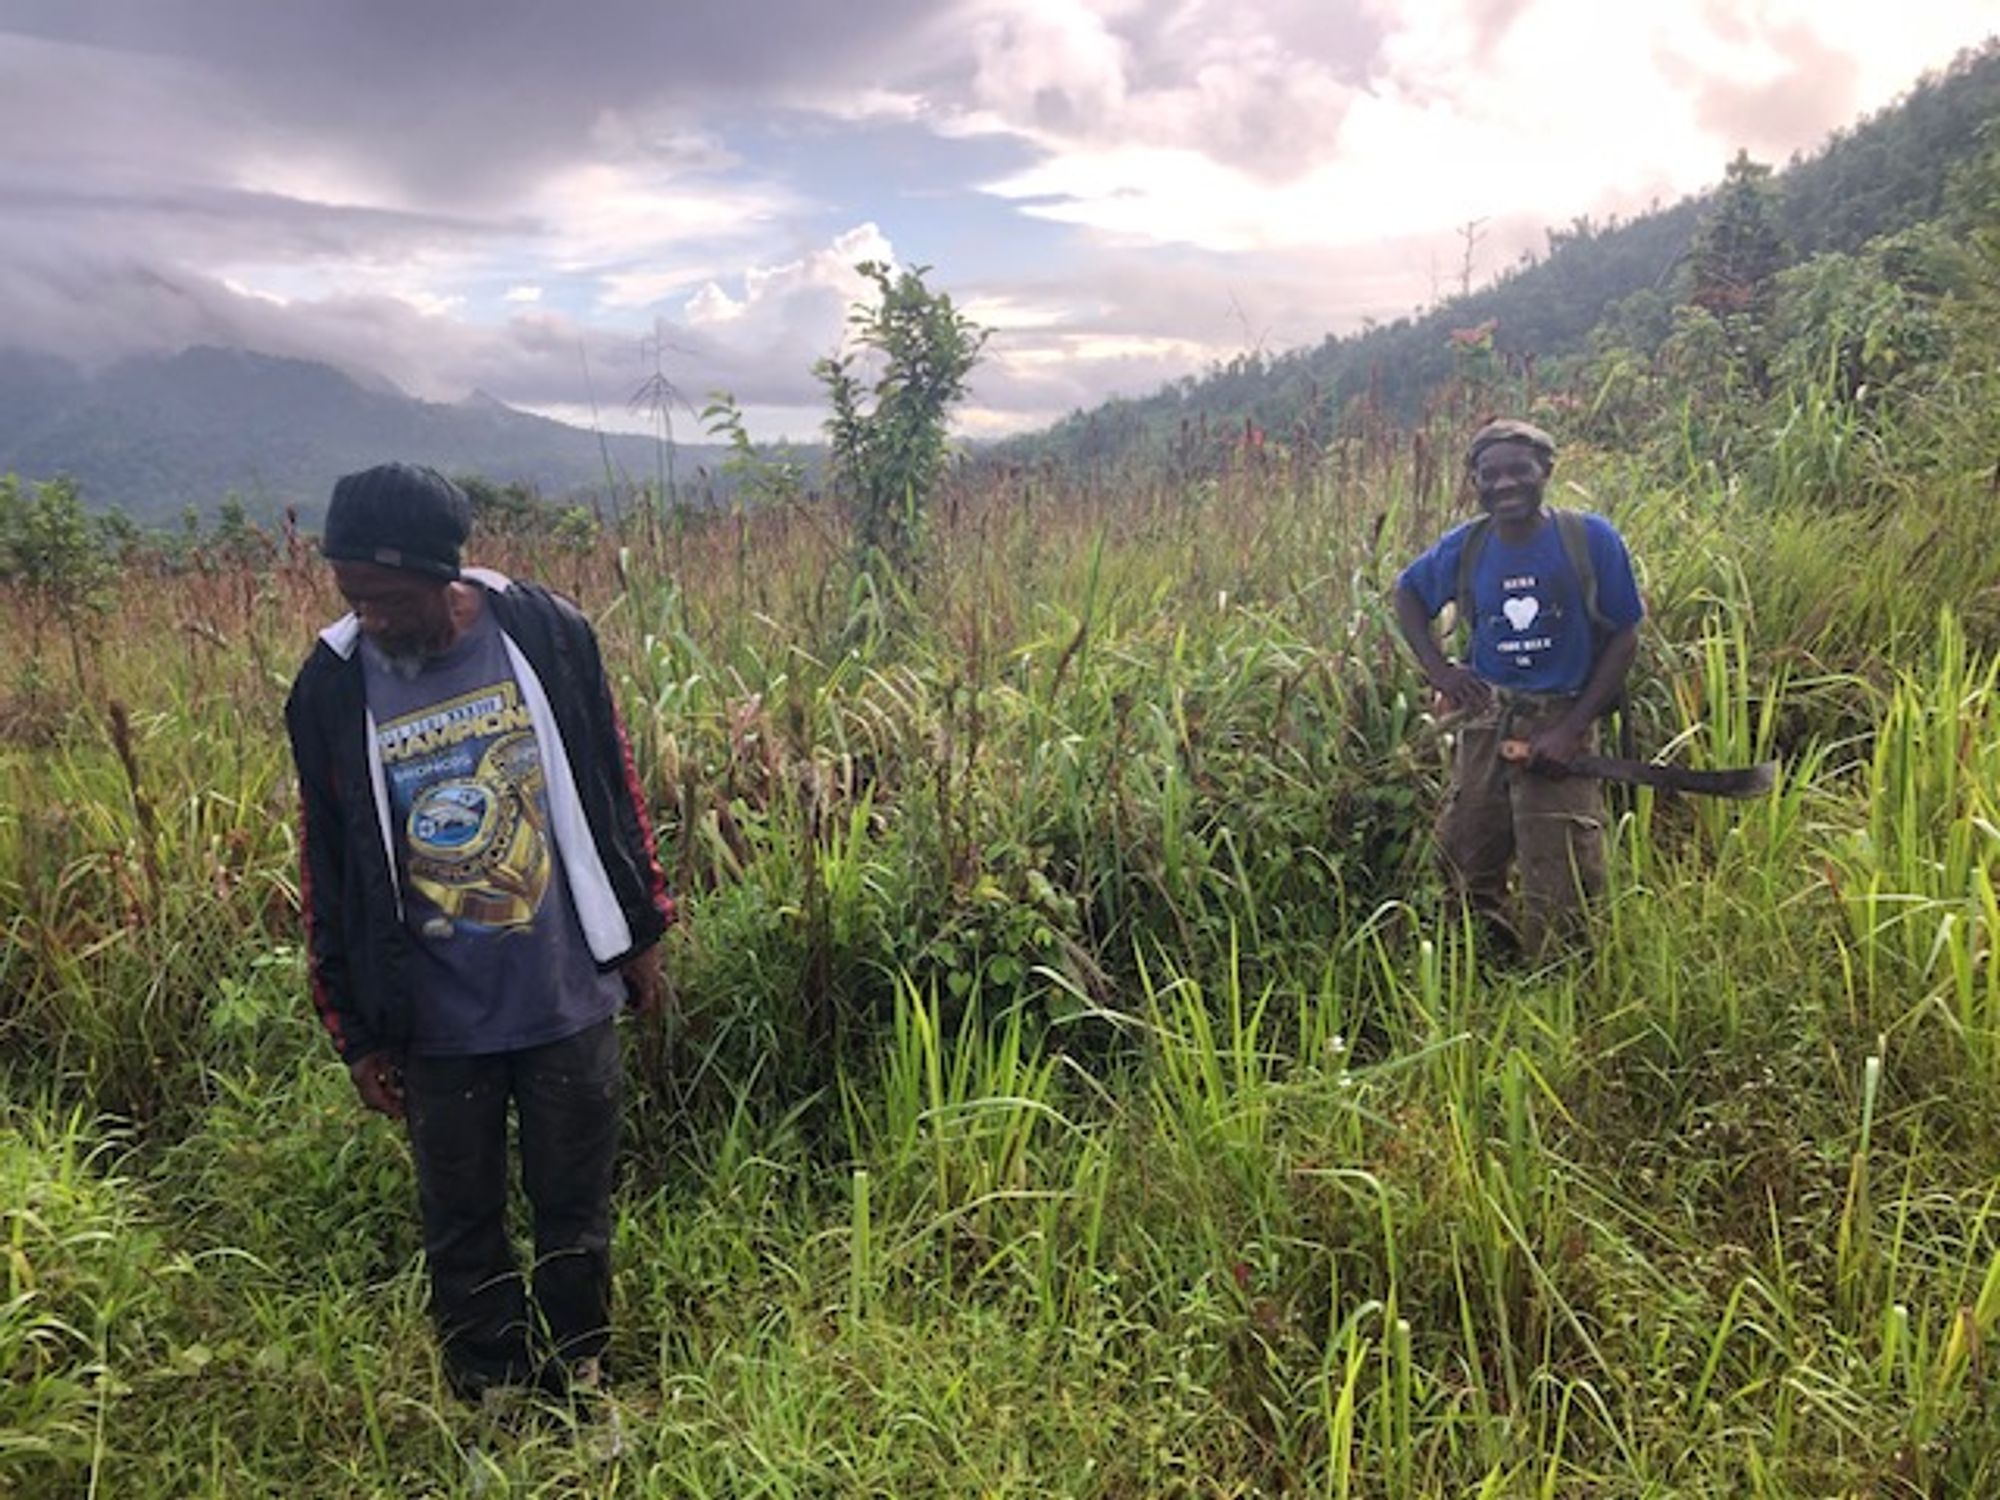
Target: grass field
(1076, 1085)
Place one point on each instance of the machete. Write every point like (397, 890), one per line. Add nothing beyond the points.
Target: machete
(1745, 781)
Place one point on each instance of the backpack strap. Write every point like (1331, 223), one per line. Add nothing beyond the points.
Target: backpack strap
(1575, 536)
(1468, 565)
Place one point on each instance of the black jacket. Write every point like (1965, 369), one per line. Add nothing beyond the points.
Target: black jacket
(359, 950)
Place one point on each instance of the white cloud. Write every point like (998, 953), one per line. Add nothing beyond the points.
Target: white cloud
(987, 423)
(1061, 77)
(772, 293)
(620, 290)
(429, 283)
(1049, 66)
(1107, 347)
(1146, 194)
(1467, 109)
(596, 214)
(1004, 311)
(870, 105)
(660, 137)
(712, 305)
(522, 293)
(432, 304)
(252, 293)
(305, 177)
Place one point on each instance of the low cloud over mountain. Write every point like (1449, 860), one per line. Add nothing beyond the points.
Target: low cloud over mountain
(154, 434)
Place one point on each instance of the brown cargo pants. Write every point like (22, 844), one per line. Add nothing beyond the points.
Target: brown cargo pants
(1497, 814)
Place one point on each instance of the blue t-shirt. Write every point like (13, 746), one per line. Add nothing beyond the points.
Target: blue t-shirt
(1530, 631)
(501, 958)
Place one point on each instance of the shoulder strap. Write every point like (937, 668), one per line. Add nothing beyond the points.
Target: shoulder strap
(1575, 536)
(1468, 564)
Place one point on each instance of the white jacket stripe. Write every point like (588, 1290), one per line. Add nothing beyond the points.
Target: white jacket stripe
(604, 926)
(378, 783)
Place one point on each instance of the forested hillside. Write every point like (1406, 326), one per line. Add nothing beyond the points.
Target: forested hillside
(1599, 287)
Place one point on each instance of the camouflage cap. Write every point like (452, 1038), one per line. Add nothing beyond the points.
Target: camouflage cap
(1509, 430)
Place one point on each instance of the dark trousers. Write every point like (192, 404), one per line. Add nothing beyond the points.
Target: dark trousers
(567, 1097)
(1549, 828)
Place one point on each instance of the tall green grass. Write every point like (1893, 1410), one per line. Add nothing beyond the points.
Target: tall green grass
(1076, 1084)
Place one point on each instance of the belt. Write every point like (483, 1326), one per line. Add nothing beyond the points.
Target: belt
(1512, 707)
(1534, 702)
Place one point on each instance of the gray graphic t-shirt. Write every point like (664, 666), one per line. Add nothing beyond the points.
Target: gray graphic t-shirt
(502, 962)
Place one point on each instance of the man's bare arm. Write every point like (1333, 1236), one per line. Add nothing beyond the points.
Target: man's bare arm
(1455, 682)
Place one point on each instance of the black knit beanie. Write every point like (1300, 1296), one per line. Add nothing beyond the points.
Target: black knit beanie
(398, 515)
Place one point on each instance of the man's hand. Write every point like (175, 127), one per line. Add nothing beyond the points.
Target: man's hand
(643, 987)
(1461, 688)
(1454, 682)
(1553, 747)
(378, 1079)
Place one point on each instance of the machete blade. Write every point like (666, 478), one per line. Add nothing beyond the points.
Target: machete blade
(1740, 781)
(1735, 781)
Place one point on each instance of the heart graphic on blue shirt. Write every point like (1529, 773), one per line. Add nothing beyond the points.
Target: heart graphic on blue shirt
(1521, 612)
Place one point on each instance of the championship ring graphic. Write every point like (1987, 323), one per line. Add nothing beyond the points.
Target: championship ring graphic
(477, 849)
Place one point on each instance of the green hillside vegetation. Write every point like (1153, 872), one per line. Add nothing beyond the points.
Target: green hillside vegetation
(1077, 1084)
(1602, 296)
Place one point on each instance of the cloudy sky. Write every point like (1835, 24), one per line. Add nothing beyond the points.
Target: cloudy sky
(549, 201)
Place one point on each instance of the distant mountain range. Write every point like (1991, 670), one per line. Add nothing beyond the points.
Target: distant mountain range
(156, 434)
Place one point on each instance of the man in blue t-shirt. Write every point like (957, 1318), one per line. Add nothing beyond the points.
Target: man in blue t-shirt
(1553, 626)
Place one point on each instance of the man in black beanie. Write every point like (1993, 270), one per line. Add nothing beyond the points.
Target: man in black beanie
(481, 894)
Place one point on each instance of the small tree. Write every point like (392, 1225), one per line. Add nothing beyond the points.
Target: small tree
(890, 455)
(513, 509)
(51, 552)
(754, 475)
(1734, 262)
(1738, 250)
(239, 541)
